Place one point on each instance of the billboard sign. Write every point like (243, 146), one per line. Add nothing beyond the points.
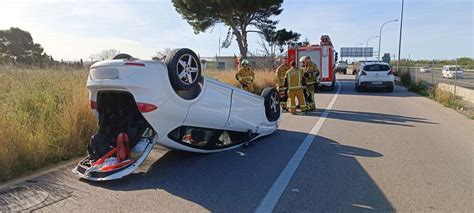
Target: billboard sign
(357, 52)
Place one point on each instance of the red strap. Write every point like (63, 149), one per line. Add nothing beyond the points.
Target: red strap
(123, 147)
(108, 155)
(118, 165)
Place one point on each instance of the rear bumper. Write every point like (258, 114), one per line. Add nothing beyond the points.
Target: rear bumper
(375, 84)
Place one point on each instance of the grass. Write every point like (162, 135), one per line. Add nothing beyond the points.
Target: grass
(263, 78)
(446, 98)
(45, 116)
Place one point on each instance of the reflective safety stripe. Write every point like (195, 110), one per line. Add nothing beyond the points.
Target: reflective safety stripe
(298, 83)
(311, 83)
(295, 88)
(247, 77)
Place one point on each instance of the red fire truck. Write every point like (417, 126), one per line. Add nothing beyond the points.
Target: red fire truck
(321, 54)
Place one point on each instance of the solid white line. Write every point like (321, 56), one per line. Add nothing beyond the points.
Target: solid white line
(273, 195)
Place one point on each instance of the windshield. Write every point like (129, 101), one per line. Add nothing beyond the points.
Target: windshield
(376, 67)
(455, 69)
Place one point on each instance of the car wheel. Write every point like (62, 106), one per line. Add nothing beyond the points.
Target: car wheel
(357, 88)
(272, 103)
(345, 71)
(390, 89)
(184, 68)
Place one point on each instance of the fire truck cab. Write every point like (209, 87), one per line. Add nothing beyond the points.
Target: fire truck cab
(322, 54)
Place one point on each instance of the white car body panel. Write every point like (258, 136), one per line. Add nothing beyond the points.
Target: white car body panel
(212, 105)
(373, 78)
(212, 109)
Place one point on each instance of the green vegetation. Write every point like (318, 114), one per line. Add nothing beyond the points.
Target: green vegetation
(446, 98)
(17, 46)
(463, 61)
(420, 87)
(238, 15)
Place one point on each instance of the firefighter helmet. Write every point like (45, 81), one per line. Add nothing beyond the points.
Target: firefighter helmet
(304, 58)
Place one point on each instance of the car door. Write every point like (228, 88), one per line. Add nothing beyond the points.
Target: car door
(213, 107)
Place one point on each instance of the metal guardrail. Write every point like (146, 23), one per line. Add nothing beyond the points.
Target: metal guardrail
(397, 79)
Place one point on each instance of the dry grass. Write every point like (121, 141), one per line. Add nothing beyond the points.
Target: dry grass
(263, 78)
(446, 98)
(44, 118)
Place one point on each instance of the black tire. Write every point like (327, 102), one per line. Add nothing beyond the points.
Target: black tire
(272, 104)
(123, 56)
(390, 89)
(186, 63)
(345, 71)
(333, 83)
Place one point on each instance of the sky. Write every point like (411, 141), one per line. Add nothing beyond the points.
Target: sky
(74, 29)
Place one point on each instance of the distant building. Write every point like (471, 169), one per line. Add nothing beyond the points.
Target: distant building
(231, 62)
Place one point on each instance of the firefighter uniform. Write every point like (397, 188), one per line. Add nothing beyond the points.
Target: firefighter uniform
(280, 76)
(294, 81)
(311, 73)
(245, 77)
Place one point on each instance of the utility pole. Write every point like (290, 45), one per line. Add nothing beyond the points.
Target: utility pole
(400, 38)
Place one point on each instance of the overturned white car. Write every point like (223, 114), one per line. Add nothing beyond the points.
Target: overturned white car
(141, 103)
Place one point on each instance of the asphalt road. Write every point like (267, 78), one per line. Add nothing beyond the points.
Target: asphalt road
(371, 151)
(435, 76)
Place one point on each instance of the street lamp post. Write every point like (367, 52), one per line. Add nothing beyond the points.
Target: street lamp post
(380, 35)
(400, 38)
(367, 44)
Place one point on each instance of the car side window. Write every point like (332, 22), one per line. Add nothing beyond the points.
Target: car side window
(204, 138)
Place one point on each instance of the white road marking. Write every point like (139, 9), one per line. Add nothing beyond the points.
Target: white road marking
(273, 195)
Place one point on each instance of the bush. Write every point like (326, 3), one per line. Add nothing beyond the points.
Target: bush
(420, 87)
(405, 78)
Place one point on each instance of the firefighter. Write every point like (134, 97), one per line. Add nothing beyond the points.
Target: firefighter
(295, 82)
(281, 71)
(311, 75)
(280, 77)
(245, 76)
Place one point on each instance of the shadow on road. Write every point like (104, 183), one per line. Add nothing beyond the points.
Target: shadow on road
(237, 180)
(371, 117)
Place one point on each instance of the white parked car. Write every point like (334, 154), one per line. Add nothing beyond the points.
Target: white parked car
(452, 71)
(425, 69)
(374, 75)
(140, 103)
